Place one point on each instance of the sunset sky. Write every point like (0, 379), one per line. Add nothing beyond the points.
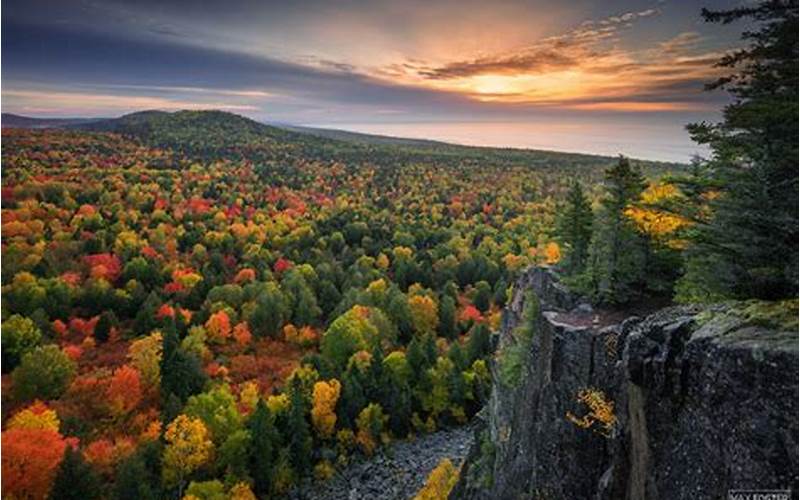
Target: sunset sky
(422, 68)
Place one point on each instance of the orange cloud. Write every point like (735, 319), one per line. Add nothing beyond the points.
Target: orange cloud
(586, 68)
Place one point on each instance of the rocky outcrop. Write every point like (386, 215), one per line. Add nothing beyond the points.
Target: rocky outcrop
(396, 472)
(703, 402)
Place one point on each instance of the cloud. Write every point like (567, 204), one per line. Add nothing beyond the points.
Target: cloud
(82, 103)
(556, 52)
(589, 67)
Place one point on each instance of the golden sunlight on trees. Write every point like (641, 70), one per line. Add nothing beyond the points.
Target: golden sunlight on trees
(323, 414)
(552, 253)
(35, 416)
(424, 313)
(188, 447)
(657, 222)
(440, 482)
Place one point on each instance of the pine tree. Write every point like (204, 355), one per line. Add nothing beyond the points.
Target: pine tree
(447, 317)
(298, 431)
(75, 480)
(574, 226)
(102, 330)
(479, 343)
(181, 373)
(351, 400)
(618, 252)
(133, 480)
(748, 246)
(263, 448)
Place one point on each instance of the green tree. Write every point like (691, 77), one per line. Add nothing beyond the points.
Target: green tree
(182, 374)
(447, 317)
(483, 296)
(351, 400)
(479, 343)
(45, 373)
(20, 336)
(102, 330)
(351, 332)
(298, 429)
(264, 443)
(574, 227)
(302, 300)
(217, 409)
(270, 313)
(617, 253)
(134, 480)
(75, 479)
(748, 246)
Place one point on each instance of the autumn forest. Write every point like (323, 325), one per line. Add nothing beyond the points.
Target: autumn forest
(197, 305)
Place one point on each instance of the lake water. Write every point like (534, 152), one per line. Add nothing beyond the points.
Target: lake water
(651, 141)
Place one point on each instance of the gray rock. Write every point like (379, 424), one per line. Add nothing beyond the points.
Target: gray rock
(700, 408)
(394, 474)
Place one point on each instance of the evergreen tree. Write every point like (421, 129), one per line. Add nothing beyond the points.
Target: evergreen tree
(263, 448)
(102, 330)
(182, 374)
(483, 296)
(351, 400)
(133, 480)
(456, 355)
(298, 431)
(75, 479)
(479, 343)
(447, 317)
(145, 320)
(618, 252)
(748, 246)
(416, 359)
(574, 227)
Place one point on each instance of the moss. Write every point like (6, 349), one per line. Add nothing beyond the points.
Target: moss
(779, 315)
(513, 357)
(774, 315)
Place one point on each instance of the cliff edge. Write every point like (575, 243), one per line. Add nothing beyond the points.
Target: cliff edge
(689, 402)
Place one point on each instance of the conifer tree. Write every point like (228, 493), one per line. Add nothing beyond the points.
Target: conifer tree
(263, 448)
(618, 251)
(574, 226)
(748, 246)
(298, 430)
(75, 479)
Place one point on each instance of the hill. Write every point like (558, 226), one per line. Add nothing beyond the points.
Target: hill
(213, 134)
(19, 121)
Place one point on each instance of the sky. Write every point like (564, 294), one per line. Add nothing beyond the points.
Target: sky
(572, 75)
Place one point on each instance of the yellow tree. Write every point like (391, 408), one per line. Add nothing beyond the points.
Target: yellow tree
(440, 482)
(145, 356)
(552, 253)
(35, 416)
(370, 424)
(323, 413)
(424, 313)
(188, 447)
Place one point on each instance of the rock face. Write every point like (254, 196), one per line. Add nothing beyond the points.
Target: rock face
(702, 403)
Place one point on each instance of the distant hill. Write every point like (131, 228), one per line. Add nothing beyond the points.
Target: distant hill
(212, 134)
(169, 129)
(19, 121)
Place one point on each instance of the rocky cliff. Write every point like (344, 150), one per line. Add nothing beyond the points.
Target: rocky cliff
(686, 403)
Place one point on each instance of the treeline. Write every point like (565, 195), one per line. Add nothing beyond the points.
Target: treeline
(729, 228)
